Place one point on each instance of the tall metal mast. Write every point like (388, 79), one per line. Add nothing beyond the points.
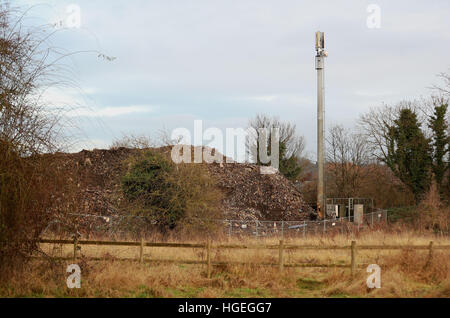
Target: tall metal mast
(320, 62)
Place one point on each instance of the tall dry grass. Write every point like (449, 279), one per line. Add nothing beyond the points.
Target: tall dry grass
(407, 273)
(433, 215)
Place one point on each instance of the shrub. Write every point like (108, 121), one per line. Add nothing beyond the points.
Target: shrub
(14, 200)
(28, 186)
(434, 215)
(27, 129)
(171, 195)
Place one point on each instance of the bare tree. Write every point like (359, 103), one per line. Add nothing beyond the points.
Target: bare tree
(133, 141)
(29, 181)
(347, 156)
(294, 143)
(444, 88)
(374, 125)
(291, 144)
(165, 138)
(443, 94)
(28, 67)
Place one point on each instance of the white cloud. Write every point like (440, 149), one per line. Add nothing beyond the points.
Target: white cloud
(284, 98)
(89, 145)
(188, 55)
(372, 94)
(266, 99)
(111, 111)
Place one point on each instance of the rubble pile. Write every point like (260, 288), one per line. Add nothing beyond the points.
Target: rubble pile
(95, 176)
(249, 195)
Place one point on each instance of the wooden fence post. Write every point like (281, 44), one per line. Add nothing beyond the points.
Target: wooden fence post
(430, 254)
(353, 264)
(75, 248)
(141, 251)
(208, 258)
(281, 256)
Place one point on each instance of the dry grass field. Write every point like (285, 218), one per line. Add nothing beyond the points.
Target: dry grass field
(405, 273)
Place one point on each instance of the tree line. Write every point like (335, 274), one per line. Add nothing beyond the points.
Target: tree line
(394, 154)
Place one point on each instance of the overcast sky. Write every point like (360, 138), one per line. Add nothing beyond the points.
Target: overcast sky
(223, 61)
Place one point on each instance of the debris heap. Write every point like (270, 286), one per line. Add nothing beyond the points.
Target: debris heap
(252, 195)
(249, 195)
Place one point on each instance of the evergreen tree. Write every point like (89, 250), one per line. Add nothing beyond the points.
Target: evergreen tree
(409, 153)
(289, 165)
(440, 143)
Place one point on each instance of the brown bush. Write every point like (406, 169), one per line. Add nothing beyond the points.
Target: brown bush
(28, 182)
(432, 214)
(27, 189)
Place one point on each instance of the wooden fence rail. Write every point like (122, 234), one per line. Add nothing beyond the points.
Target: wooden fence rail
(281, 248)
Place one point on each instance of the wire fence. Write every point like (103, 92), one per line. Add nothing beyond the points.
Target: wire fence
(88, 225)
(259, 228)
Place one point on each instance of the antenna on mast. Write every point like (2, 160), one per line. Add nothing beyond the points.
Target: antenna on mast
(321, 54)
(320, 40)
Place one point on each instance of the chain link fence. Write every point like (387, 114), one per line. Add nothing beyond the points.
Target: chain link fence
(86, 225)
(257, 228)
